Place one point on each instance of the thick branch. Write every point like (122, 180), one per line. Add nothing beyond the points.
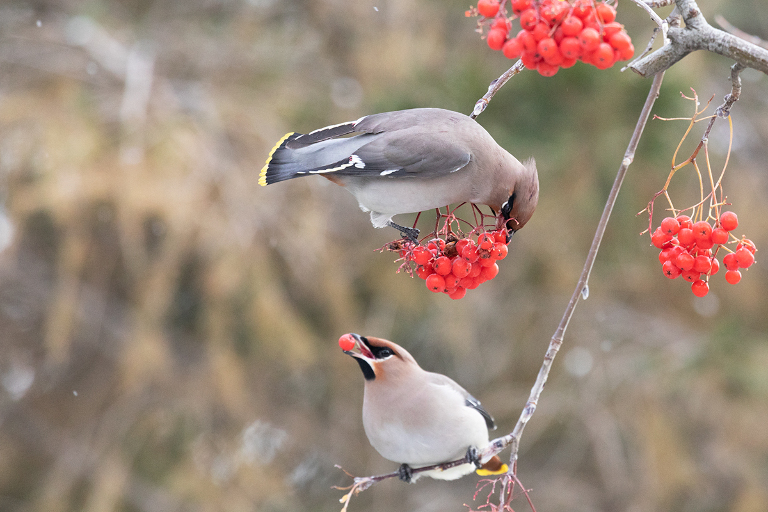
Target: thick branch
(698, 34)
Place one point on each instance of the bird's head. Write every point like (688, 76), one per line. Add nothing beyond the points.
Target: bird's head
(523, 197)
(378, 358)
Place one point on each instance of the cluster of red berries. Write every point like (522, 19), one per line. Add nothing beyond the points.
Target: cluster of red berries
(455, 265)
(557, 33)
(689, 249)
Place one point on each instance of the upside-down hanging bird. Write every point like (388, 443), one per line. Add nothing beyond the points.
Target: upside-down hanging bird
(409, 161)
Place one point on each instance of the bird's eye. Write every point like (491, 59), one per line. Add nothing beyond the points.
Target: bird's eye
(506, 208)
(385, 352)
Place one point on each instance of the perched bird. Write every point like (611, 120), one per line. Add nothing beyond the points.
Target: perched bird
(409, 161)
(416, 417)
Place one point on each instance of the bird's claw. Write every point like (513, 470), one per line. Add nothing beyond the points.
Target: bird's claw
(473, 457)
(405, 473)
(411, 234)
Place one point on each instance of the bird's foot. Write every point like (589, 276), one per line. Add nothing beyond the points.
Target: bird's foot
(405, 473)
(411, 234)
(473, 457)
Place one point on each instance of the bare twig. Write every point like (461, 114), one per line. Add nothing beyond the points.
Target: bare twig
(494, 87)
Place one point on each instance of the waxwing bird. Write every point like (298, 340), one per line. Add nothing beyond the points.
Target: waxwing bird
(419, 418)
(409, 161)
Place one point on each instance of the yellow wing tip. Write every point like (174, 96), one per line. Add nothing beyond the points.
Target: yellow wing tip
(484, 472)
(263, 173)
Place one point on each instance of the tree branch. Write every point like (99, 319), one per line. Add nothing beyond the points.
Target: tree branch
(698, 34)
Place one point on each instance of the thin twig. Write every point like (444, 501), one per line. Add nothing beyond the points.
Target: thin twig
(494, 87)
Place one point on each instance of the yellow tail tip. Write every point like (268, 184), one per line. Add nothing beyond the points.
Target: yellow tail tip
(485, 472)
(263, 173)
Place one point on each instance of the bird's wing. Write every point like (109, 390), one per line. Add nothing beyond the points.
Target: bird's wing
(469, 400)
(410, 143)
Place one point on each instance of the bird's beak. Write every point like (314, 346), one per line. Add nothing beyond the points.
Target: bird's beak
(359, 349)
(503, 222)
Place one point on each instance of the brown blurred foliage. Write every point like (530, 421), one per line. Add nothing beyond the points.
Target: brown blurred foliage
(168, 328)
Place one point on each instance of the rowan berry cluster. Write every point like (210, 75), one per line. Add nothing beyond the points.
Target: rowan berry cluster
(689, 249)
(556, 33)
(455, 265)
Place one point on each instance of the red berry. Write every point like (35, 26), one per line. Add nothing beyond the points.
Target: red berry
(620, 41)
(460, 267)
(521, 5)
(458, 293)
(691, 275)
(501, 23)
(487, 8)
(702, 264)
(685, 237)
(529, 19)
(501, 236)
(589, 39)
(609, 29)
(719, 236)
(572, 26)
(442, 265)
(530, 59)
(347, 342)
(730, 261)
(488, 260)
(700, 288)
(729, 221)
(485, 241)
(670, 270)
(605, 13)
(733, 276)
(423, 271)
(470, 252)
(627, 53)
(749, 244)
(570, 47)
(582, 9)
(684, 261)
(527, 40)
(474, 270)
(670, 226)
(490, 272)
(744, 257)
(659, 238)
(512, 49)
(685, 221)
(540, 31)
(715, 267)
(546, 69)
(603, 57)
(547, 47)
(500, 251)
(702, 230)
(421, 255)
(436, 283)
(451, 281)
(496, 39)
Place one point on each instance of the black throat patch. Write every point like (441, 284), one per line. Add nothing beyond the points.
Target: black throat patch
(367, 370)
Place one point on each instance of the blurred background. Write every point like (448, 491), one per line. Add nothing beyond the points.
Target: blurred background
(168, 328)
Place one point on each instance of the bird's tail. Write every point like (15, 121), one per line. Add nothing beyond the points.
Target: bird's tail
(275, 169)
(493, 467)
(317, 152)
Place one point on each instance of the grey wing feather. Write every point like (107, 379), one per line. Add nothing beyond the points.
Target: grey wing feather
(404, 154)
(476, 405)
(469, 400)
